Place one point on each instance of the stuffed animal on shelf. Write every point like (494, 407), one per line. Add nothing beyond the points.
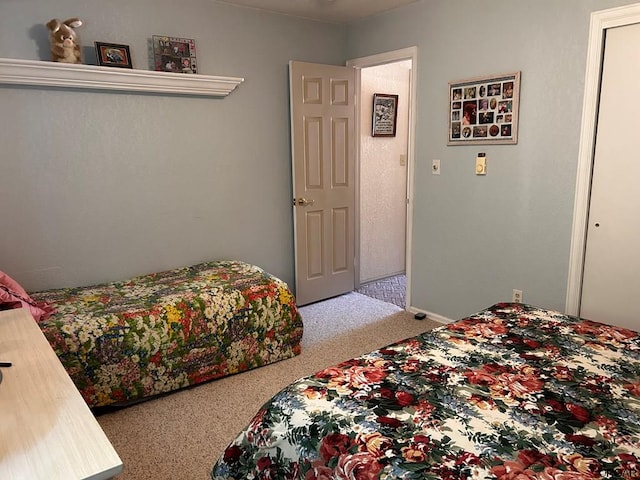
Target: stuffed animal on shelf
(65, 44)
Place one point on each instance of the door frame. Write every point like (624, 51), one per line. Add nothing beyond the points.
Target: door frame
(600, 22)
(409, 53)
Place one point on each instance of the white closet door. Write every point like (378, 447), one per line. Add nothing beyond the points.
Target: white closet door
(611, 281)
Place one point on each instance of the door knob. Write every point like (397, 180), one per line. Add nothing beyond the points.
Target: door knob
(302, 202)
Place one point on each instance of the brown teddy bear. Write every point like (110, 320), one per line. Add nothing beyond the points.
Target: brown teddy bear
(65, 44)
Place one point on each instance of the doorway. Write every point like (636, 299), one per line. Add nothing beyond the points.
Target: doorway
(384, 173)
(610, 278)
(591, 162)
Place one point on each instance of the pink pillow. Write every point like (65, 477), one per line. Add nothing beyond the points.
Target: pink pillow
(12, 295)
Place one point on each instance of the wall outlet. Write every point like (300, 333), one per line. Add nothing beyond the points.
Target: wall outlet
(517, 296)
(435, 167)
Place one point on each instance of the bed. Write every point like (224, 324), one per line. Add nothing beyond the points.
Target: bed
(122, 342)
(514, 392)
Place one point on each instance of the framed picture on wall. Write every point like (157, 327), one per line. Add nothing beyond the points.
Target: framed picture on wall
(385, 115)
(484, 110)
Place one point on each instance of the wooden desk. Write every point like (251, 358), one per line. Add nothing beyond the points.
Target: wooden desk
(46, 429)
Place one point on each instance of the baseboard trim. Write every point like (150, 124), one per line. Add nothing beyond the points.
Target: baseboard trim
(431, 316)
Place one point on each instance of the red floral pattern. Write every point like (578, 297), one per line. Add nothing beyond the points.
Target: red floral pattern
(514, 392)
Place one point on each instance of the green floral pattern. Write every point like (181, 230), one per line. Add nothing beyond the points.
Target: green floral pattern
(124, 341)
(514, 392)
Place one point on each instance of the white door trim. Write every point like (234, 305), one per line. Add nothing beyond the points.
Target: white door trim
(600, 22)
(409, 53)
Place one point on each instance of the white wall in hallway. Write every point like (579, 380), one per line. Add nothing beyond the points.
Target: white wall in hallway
(383, 177)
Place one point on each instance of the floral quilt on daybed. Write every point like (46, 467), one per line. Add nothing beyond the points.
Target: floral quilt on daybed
(152, 334)
(514, 392)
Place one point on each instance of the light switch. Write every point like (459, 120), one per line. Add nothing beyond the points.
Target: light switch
(435, 167)
(481, 164)
(403, 159)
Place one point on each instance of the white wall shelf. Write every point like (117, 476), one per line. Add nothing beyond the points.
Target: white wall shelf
(53, 74)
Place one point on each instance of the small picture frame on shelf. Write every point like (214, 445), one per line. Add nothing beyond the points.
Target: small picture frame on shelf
(173, 54)
(113, 55)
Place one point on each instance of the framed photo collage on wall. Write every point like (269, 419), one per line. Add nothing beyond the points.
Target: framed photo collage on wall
(484, 110)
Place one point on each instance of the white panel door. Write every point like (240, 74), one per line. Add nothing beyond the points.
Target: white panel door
(611, 279)
(323, 150)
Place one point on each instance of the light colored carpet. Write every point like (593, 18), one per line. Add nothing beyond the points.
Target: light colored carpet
(180, 436)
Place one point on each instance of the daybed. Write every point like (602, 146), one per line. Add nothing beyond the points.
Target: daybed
(125, 341)
(514, 392)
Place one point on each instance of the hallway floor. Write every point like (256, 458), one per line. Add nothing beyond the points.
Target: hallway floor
(390, 290)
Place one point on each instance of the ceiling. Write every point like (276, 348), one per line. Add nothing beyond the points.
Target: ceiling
(333, 11)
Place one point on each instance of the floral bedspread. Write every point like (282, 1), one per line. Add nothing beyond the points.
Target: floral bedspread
(514, 392)
(152, 334)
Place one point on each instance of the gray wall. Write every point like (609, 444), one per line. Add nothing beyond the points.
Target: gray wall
(477, 238)
(100, 186)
